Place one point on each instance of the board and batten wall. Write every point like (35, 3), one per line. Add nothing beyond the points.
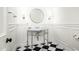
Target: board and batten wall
(66, 25)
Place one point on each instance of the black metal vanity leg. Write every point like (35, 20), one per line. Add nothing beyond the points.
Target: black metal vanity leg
(31, 39)
(37, 36)
(44, 35)
(27, 37)
(47, 37)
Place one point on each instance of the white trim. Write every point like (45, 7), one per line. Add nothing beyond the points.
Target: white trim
(2, 34)
(12, 29)
(67, 26)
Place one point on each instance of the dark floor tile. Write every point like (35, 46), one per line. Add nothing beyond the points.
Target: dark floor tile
(58, 49)
(27, 49)
(37, 48)
(17, 49)
(35, 45)
(45, 47)
(53, 45)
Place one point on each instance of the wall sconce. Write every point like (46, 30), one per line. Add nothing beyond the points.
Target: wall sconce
(12, 14)
(9, 12)
(23, 17)
(49, 18)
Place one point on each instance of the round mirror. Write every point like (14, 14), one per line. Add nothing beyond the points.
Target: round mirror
(36, 15)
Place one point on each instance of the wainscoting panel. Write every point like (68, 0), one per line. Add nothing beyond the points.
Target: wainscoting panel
(65, 33)
(11, 46)
(3, 46)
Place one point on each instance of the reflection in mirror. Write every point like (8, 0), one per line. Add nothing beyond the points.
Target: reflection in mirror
(36, 15)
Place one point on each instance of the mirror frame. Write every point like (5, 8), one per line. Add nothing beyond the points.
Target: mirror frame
(41, 15)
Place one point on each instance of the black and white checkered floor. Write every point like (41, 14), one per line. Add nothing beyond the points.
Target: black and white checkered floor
(41, 47)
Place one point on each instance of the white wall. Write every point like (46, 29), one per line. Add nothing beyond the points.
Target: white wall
(3, 28)
(66, 25)
(66, 15)
(2, 21)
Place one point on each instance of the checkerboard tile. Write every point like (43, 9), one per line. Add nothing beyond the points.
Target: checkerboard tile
(41, 47)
